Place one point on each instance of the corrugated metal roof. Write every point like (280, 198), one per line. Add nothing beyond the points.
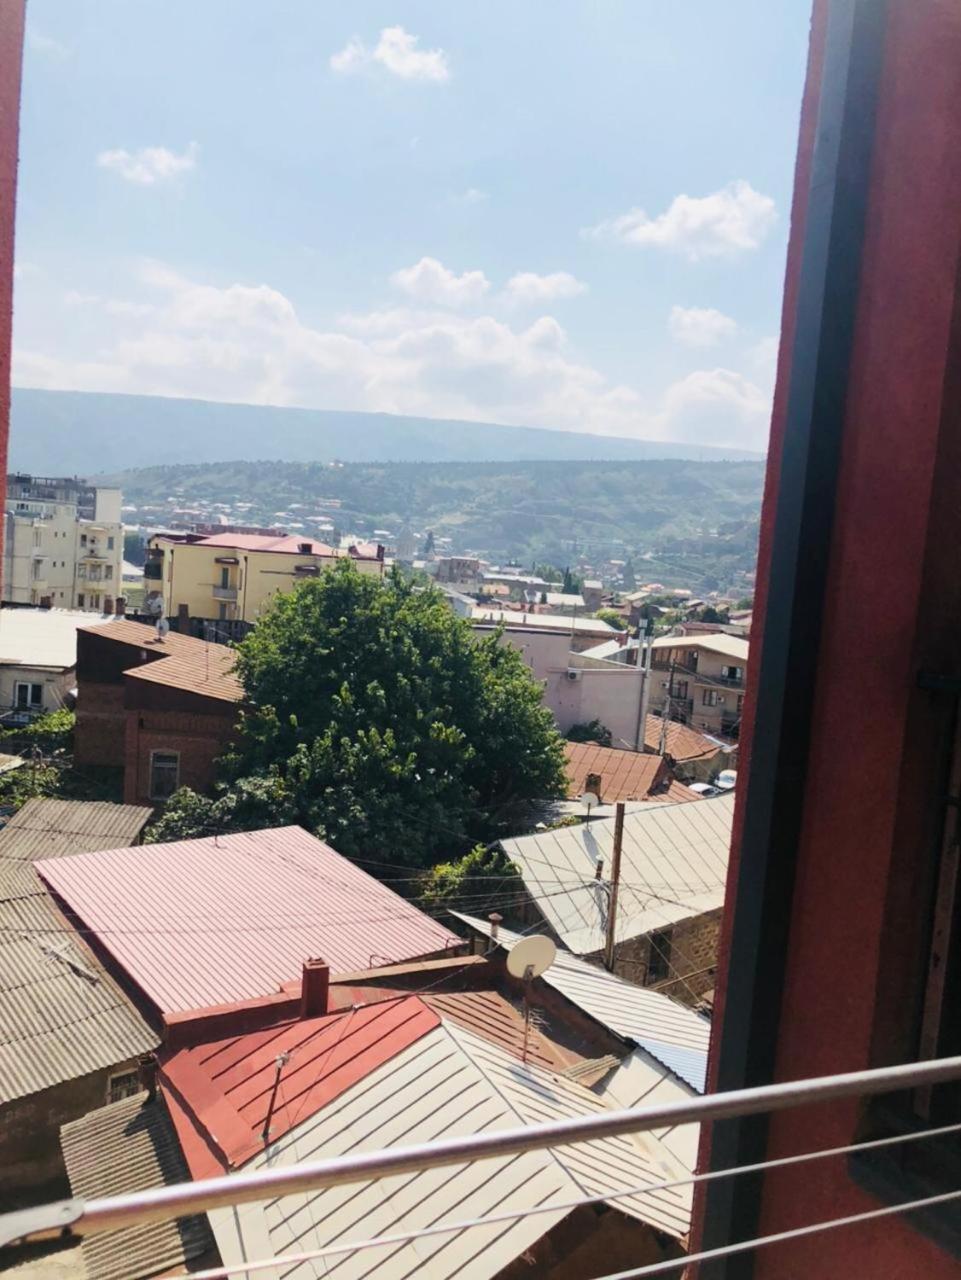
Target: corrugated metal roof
(221, 1090)
(716, 641)
(206, 922)
(625, 775)
(124, 1147)
(61, 1015)
(449, 1083)
(681, 742)
(52, 828)
(669, 1032)
(480, 615)
(673, 866)
(490, 1015)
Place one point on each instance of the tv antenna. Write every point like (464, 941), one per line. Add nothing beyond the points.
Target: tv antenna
(527, 960)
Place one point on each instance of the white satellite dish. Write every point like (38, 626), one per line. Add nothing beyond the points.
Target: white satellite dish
(531, 957)
(589, 799)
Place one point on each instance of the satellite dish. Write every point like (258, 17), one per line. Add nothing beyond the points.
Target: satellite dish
(531, 957)
(589, 800)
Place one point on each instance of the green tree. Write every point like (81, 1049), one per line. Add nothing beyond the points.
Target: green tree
(612, 617)
(484, 872)
(380, 721)
(572, 584)
(427, 550)
(592, 731)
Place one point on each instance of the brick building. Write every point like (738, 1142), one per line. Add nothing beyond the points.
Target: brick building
(162, 710)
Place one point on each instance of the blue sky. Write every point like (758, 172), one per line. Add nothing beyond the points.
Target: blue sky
(553, 213)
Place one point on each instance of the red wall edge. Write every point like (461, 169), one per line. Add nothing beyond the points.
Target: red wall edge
(11, 61)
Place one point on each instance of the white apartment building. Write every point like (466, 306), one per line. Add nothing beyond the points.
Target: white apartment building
(63, 544)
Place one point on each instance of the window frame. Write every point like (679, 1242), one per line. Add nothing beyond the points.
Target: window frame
(152, 791)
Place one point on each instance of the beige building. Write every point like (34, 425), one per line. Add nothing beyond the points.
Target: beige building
(703, 677)
(38, 660)
(233, 576)
(63, 544)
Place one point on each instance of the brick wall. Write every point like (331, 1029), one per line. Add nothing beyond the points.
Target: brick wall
(31, 1162)
(198, 739)
(691, 956)
(99, 735)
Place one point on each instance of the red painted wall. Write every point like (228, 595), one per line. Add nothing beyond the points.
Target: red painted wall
(893, 607)
(11, 56)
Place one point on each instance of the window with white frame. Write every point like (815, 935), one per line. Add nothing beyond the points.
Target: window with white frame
(29, 697)
(164, 774)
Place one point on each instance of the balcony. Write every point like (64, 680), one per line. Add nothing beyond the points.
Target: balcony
(225, 593)
(153, 571)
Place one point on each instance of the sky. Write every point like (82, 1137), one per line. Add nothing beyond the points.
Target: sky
(554, 213)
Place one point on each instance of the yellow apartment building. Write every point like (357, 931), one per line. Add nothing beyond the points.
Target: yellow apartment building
(704, 677)
(233, 576)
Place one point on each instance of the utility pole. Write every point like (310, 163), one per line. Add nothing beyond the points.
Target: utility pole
(644, 655)
(666, 710)
(615, 883)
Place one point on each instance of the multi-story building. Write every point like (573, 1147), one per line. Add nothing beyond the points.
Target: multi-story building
(63, 544)
(703, 678)
(233, 576)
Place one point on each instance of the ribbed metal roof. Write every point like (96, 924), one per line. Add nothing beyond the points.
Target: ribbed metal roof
(51, 828)
(669, 1032)
(61, 1015)
(673, 866)
(449, 1083)
(206, 922)
(129, 1146)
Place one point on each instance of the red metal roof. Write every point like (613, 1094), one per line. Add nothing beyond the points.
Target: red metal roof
(219, 1092)
(207, 922)
(625, 775)
(290, 544)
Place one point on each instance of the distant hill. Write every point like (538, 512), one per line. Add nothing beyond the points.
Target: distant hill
(683, 521)
(77, 432)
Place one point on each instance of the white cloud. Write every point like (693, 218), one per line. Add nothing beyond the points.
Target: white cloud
(473, 195)
(246, 344)
(528, 287)
(46, 45)
(763, 356)
(728, 221)
(431, 282)
(112, 306)
(149, 165)
(700, 326)
(397, 52)
(23, 269)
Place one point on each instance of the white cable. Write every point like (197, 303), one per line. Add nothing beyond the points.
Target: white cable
(445, 1228)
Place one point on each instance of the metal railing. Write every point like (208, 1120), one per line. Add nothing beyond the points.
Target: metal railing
(161, 1204)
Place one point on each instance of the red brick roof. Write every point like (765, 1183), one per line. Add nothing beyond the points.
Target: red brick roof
(218, 1092)
(625, 775)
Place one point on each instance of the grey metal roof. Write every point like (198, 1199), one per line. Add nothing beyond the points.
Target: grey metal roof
(52, 828)
(61, 1014)
(129, 1146)
(669, 1032)
(673, 866)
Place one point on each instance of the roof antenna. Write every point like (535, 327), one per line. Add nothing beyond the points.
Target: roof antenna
(527, 960)
(279, 1063)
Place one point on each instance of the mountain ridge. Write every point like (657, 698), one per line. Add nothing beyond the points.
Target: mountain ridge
(53, 432)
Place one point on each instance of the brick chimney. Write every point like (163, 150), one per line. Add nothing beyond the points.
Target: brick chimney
(495, 918)
(314, 988)
(120, 607)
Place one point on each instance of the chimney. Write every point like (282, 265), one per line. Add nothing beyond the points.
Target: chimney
(495, 918)
(314, 988)
(593, 783)
(147, 1071)
(183, 619)
(305, 548)
(120, 606)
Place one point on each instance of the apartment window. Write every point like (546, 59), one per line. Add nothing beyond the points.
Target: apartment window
(680, 689)
(709, 698)
(83, 539)
(80, 600)
(223, 611)
(164, 774)
(225, 577)
(659, 956)
(122, 1084)
(29, 696)
(110, 544)
(732, 673)
(81, 570)
(108, 571)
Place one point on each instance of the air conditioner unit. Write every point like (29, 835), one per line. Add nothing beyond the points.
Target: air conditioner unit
(573, 675)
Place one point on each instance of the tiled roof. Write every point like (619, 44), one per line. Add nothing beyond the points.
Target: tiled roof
(673, 1034)
(625, 775)
(220, 1092)
(50, 828)
(181, 662)
(61, 1015)
(673, 866)
(206, 922)
(681, 742)
(124, 1147)
(449, 1083)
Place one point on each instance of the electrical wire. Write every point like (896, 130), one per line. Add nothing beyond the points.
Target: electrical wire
(444, 1228)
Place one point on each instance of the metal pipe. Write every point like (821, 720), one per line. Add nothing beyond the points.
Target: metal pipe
(162, 1204)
